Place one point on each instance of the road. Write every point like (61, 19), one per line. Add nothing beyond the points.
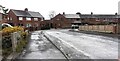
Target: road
(93, 46)
(40, 48)
(64, 44)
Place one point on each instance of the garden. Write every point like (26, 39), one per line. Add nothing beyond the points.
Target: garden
(13, 40)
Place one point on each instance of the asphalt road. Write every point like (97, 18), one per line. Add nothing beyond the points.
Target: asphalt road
(93, 46)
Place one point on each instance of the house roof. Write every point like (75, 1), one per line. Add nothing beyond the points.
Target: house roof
(99, 16)
(27, 13)
(71, 15)
(35, 14)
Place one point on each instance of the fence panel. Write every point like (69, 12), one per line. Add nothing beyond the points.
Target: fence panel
(90, 28)
(109, 29)
(118, 29)
(101, 28)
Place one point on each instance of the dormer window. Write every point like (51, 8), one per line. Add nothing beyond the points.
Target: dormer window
(20, 18)
(28, 18)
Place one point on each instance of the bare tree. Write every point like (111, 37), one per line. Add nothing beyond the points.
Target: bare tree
(52, 14)
(5, 10)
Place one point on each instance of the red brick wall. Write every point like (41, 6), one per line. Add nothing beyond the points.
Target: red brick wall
(59, 21)
(15, 20)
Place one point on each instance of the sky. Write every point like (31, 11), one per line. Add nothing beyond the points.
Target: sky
(67, 6)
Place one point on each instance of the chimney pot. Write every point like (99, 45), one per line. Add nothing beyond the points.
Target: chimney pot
(63, 13)
(26, 9)
(78, 13)
(91, 13)
(115, 13)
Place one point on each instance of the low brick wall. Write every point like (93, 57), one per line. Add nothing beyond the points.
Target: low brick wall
(101, 28)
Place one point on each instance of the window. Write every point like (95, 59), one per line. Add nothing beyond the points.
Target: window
(36, 19)
(58, 19)
(20, 24)
(20, 18)
(10, 18)
(28, 18)
(28, 25)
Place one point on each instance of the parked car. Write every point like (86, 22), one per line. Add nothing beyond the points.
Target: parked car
(4, 25)
(75, 26)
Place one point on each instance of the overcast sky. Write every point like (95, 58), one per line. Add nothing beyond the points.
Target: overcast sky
(67, 6)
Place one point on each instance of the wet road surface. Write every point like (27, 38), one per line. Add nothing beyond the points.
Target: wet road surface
(40, 48)
(96, 47)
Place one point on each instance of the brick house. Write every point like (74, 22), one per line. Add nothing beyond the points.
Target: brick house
(64, 20)
(96, 19)
(25, 18)
(46, 24)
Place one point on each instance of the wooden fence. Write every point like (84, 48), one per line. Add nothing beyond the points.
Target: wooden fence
(101, 28)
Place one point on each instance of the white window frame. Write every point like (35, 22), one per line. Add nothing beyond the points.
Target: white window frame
(28, 18)
(35, 19)
(10, 18)
(20, 18)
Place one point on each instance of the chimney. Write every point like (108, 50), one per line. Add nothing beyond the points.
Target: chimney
(63, 13)
(78, 13)
(116, 14)
(91, 13)
(26, 9)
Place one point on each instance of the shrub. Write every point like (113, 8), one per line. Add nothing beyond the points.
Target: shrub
(7, 42)
(9, 30)
(21, 45)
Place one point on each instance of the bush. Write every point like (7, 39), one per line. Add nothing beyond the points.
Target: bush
(9, 30)
(21, 45)
(7, 42)
(24, 35)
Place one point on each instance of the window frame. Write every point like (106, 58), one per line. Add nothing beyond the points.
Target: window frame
(35, 19)
(28, 19)
(20, 18)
